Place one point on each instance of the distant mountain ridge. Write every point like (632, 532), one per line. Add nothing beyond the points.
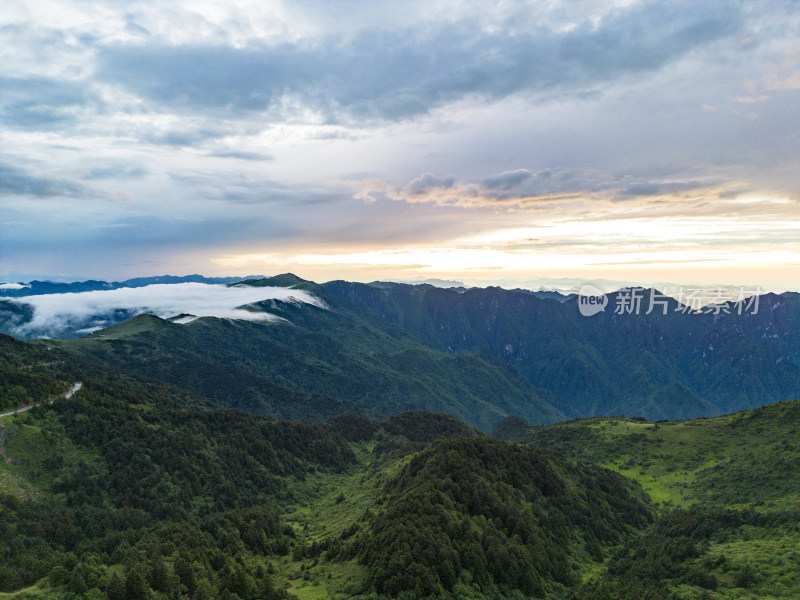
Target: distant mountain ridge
(660, 366)
(494, 352)
(36, 287)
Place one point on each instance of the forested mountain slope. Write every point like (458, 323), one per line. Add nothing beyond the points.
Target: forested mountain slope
(729, 488)
(682, 364)
(314, 363)
(478, 353)
(138, 489)
(132, 489)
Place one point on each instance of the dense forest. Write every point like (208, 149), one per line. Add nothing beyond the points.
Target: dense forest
(494, 516)
(135, 488)
(123, 476)
(321, 365)
(26, 374)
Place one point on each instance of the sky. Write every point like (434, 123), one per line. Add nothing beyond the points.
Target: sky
(512, 143)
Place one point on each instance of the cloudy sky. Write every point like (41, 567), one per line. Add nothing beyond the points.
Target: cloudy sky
(498, 142)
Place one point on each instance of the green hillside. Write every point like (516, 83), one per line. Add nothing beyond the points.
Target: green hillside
(729, 488)
(470, 516)
(744, 458)
(134, 488)
(120, 490)
(28, 374)
(315, 364)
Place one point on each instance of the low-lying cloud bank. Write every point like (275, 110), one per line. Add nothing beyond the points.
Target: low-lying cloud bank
(54, 314)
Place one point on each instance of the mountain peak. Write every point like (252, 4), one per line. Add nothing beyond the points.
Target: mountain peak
(137, 324)
(286, 280)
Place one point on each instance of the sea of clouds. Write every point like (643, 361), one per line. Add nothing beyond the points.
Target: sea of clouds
(82, 312)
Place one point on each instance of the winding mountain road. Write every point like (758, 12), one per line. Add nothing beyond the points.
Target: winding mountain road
(68, 394)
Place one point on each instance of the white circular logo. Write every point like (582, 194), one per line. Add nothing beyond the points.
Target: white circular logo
(591, 300)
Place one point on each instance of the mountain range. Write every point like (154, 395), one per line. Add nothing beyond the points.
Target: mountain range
(36, 287)
(480, 354)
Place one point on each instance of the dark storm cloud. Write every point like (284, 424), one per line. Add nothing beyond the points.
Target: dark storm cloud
(393, 75)
(525, 187)
(508, 180)
(19, 182)
(239, 155)
(428, 181)
(41, 103)
(118, 171)
(657, 188)
(182, 137)
(244, 190)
